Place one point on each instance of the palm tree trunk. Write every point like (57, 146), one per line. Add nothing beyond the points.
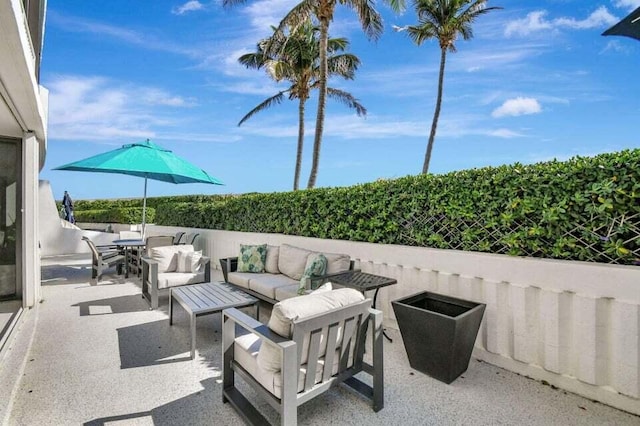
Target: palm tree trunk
(436, 114)
(322, 95)
(296, 178)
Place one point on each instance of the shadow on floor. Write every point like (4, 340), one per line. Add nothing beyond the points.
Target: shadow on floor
(113, 305)
(193, 409)
(152, 343)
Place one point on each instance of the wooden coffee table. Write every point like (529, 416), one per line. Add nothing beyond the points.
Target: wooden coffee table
(208, 298)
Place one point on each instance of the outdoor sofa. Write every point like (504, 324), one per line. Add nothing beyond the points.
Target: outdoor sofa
(284, 268)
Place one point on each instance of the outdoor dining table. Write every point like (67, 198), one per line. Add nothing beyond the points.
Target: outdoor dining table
(127, 245)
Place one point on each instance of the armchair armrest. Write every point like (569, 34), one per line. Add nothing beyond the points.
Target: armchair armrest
(229, 264)
(254, 326)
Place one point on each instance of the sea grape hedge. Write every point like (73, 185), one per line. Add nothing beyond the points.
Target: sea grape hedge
(580, 209)
(114, 215)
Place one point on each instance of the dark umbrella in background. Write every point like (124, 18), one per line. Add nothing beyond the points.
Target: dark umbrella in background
(628, 27)
(146, 160)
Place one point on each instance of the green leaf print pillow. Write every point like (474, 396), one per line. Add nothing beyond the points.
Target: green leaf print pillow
(252, 258)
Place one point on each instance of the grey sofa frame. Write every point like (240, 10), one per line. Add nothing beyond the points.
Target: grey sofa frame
(230, 264)
(354, 320)
(150, 288)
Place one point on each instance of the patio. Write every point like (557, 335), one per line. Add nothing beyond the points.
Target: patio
(100, 356)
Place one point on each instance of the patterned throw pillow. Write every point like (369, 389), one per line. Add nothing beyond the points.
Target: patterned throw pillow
(316, 266)
(252, 258)
(189, 261)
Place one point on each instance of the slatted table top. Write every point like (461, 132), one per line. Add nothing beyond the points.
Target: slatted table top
(211, 297)
(362, 281)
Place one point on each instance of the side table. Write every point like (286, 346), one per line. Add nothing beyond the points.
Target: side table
(363, 281)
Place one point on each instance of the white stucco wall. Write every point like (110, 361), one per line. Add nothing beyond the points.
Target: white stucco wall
(574, 324)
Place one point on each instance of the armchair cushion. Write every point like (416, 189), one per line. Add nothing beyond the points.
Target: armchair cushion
(292, 261)
(252, 258)
(284, 313)
(271, 263)
(189, 261)
(167, 256)
(246, 350)
(174, 279)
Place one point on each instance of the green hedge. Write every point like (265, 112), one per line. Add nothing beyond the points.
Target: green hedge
(581, 209)
(114, 215)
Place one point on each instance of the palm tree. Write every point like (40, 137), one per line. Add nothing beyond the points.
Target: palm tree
(295, 59)
(443, 20)
(323, 11)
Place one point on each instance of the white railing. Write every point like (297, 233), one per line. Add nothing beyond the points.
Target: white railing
(574, 324)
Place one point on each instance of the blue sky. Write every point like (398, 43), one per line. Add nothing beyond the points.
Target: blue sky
(537, 82)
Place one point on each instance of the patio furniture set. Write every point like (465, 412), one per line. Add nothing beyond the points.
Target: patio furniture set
(315, 337)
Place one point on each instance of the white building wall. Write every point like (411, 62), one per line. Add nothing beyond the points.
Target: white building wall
(574, 324)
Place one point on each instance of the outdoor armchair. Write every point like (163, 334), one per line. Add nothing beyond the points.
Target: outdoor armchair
(103, 258)
(172, 266)
(321, 351)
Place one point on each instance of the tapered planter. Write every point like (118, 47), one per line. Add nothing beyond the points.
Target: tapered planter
(438, 332)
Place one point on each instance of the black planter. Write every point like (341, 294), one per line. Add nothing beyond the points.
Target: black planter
(438, 332)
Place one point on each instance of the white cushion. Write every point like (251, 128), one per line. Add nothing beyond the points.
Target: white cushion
(188, 261)
(266, 284)
(287, 292)
(292, 260)
(245, 352)
(323, 288)
(271, 263)
(337, 262)
(167, 256)
(174, 279)
(285, 312)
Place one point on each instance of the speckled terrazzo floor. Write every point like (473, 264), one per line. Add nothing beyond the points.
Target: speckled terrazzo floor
(99, 356)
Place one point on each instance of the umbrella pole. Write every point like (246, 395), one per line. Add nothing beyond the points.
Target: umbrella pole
(144, 207)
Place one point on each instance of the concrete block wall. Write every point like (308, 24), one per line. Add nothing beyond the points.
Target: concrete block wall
(575, 325)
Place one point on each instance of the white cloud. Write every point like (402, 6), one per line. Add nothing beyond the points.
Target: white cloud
(627, 4)
(537, 21)
(98, 109)
(189, 6)
(517, 106)
(505, 134)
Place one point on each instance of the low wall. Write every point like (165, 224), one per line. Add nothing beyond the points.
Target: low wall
(574, 324)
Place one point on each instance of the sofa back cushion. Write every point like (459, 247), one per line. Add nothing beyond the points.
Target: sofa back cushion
(167, 256)
(292, 261)
(337, 262)
(271, 263)
(284, 313)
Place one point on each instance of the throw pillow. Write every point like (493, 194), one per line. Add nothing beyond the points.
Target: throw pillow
(252, 258)
(316, 266)
(189, 261)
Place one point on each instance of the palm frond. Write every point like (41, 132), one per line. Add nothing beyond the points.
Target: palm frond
(276, 99)
(348, 99)
(344, 65)
(254, 60)
(370, 18)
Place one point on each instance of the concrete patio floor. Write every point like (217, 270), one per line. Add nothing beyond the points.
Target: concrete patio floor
(99, 356)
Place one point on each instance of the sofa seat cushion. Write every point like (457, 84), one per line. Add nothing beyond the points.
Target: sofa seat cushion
(266, 284)
(241, 279)
(246, 349)
(167, 256)
(292, 261)
(175, 279)
(285, 312)
(287, 292)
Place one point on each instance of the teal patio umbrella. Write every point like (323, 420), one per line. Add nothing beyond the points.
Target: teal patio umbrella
(146, 160)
